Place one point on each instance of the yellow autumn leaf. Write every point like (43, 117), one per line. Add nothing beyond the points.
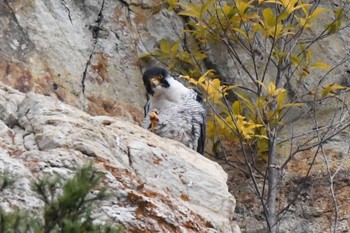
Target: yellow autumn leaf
(295, 60)
(271, 89)
(308, 55)
(316, 12)
(274, 2)
(269, 17)
(247, 102)
(172, 2)
(281, 97)
(261, 84)
(227, 9)
(191, 10)
(288, 3)
(202, 79)
(301, 6)
(293, 5)
(260, 136)
(291, 105)
(243, 6)
(329, 89)
(206, 6)
(304, 22)
(215, 83)
(241, 32)
(191, 80)
(321, 65)
(220, 123)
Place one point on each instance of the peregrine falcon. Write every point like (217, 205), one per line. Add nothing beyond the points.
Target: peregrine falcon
(173, 110)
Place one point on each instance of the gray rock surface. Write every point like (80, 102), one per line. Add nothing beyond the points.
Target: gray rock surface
(81, 52)
(158, 185)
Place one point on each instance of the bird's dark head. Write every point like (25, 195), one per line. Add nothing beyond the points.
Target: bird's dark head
(155, 77)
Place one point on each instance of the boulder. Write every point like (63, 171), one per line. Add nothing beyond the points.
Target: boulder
(157, 184)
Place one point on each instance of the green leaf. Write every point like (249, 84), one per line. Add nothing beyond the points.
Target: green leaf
(175, 47)
(236, 107)
(333, 27)
(164, 46)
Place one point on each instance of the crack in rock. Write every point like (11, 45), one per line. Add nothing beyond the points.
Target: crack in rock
(125, 4)
(129, 156)
(95, 34)
(85, 72)
(63, 2)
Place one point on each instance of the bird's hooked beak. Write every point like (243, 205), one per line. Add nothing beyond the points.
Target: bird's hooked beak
(155, 81)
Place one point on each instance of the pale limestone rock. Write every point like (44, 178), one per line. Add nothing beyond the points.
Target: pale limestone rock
(81, 52)
(158, 185)
(21, 195)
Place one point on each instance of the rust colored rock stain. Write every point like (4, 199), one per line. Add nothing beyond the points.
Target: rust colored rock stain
(184, 197)
(118, 13)
(141, 16)
(110, 107)
(16, 76)
(149, 209)
(124, 176)
(44, 84)
(157, 161)
(20, 78)
(101, 69)
(24, 82)
(16, 153)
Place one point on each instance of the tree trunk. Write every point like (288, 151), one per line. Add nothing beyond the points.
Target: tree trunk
(272, 176)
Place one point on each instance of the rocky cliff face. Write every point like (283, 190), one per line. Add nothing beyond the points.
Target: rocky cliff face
(85, 53)
(81, 52)
(157, 185)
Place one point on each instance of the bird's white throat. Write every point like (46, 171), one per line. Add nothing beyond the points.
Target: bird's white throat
(166, 97)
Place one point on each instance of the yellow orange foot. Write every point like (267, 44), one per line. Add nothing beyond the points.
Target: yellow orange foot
(153, 116)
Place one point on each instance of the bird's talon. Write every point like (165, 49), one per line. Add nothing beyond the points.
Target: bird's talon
(153, 116)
